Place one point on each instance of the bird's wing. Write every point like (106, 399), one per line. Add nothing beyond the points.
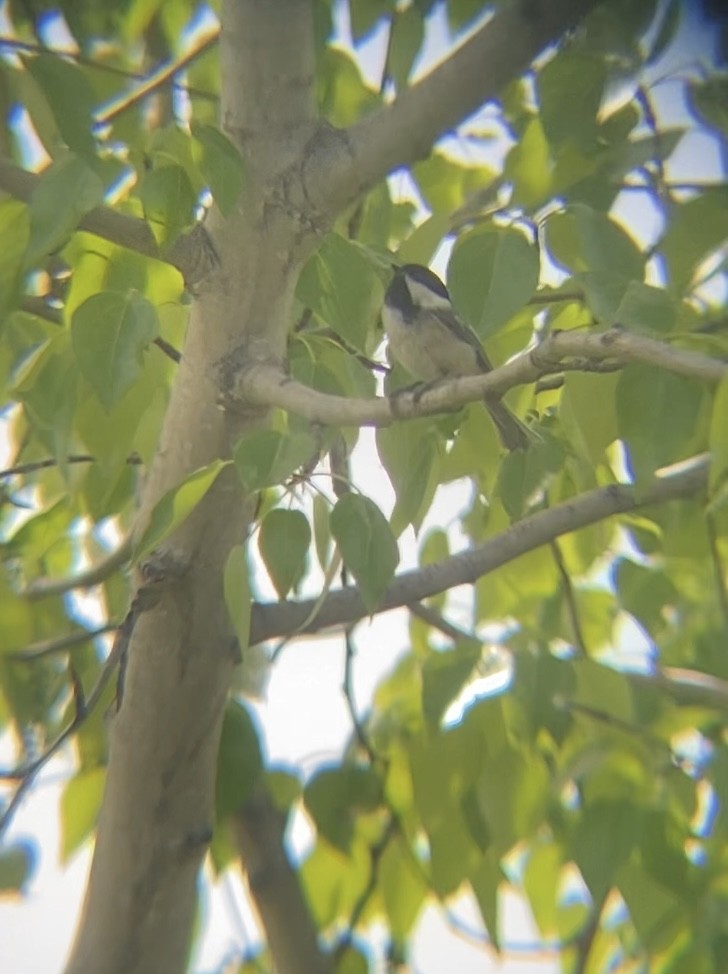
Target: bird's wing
(464, 332)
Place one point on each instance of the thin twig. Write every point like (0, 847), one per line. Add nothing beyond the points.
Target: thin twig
(41, 588)
(438, 621)
(569, 597)
(375, 851)
(348, 690)
(49, 647)
(169, 350)
(26, 775)
(160, 77)
(88, 62)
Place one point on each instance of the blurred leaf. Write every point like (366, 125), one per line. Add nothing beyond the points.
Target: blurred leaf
(367, 545)
(696, 228)
(169, 201)
(283, 541)
(334, 798)
(604, 837)
(64, 194)
(236, 584)
(266, 458)
(529, 165)
(719, 436)
(15, 234)
(80, 805)
(70, 97)
(110, 331)
(366, 14)
(646, 308)
(17, 864)
(411, 456)
(709, 99)
(176, 506)
(343, 95)
(402, 886)
(239, 762)
(583, 240)
(340, 284)
(408, 31)
(588, 412)
(657, 415)
(444, 674)
(221, 165)
(492, 273)
(574, 78)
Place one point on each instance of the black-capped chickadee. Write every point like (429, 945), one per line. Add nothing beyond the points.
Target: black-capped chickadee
(431, 342)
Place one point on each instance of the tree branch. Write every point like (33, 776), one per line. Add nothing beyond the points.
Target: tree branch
(259, 834)
(192, 253)
(48, 647)
(157, 79)
(269, 386)
(341, 169)
(41, 588)
(343, 607)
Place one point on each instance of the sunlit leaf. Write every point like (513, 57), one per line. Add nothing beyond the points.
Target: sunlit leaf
(176, 506)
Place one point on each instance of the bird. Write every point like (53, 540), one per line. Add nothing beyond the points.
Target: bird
(429, 339)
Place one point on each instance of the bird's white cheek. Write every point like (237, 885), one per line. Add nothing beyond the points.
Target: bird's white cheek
(423, 297)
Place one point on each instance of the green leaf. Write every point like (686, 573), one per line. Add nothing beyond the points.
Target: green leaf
(17, 864)
(575, 79)
(709, 99)
(411, 455)
(351, 960)
(80, 805)
(367, 545)
(340, 284)
(695, 230)
(322, 530)
(283, 541)
(408, 31)
(342, 94)
(402, 888)
(365, 15)
(70, 97)
(110, 331)
(588, 412)
(239, 761)
(236, 584)
(176, 506)
(15, 234)
(47, 385)
(334, 798)
(267, 458)
(64, 194)
(646, 308)
(169, 201)
(492, 274)
(658, 417)
(605, 835)
(646, 593)
(485, 881)
(443, 676)
(529, 165)
(582, 239)
(719, 436)
(221, 165)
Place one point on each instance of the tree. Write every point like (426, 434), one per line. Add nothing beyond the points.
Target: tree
(188, 380)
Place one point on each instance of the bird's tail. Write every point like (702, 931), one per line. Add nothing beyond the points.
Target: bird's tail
(513, 434)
